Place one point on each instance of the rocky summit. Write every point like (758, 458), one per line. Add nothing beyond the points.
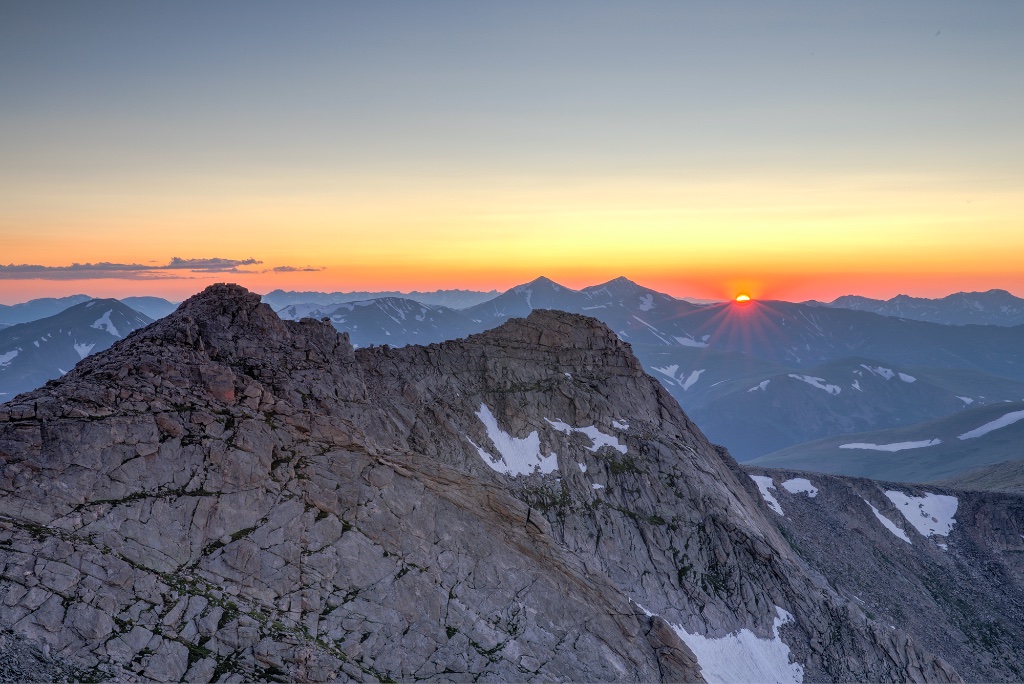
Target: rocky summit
(224, 495)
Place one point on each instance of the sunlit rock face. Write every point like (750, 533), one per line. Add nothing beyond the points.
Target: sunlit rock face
(224, 493)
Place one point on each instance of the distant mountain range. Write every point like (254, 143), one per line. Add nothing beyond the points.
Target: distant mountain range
(995, 307)
(453, 299)
(755, 377)
(35, 309)
(935, 450)
(32, 353)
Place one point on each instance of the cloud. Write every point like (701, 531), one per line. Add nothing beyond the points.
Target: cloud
(215, 265)
(103, 269)
(296, 269)
(176, 268)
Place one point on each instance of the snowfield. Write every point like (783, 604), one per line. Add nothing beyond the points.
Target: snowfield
(800, 485)
(1008, 419)
(518, 456)
(931, 514)
(104, 323)
(742, 656)
(896, 446)
(598, 439)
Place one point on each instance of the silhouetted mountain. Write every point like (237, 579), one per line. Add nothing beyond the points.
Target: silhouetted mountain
(154, 307)
(453, 299)
(995, 307)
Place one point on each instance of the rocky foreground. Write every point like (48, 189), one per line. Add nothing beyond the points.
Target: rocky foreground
(225, 495)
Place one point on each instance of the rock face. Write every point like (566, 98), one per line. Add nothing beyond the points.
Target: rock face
(225, 494)
(941, 564)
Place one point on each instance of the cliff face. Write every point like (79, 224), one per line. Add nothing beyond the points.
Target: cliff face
(225, 492)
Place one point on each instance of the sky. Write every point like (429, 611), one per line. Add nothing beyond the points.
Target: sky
(790, 150)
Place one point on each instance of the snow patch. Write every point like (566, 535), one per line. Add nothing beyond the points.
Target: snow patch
(856, 385)
(759, 386)
(967, 400)
(690, 342)
(1008, 419)
(619, 425)
(818, 382)
(879, 370)
(646, 302)
(743, 657)
(583, 467)
(104, 323)
(889, 524)
(517, 456)
(670, 371)
(597, 486)
(764, 483)
(692, 379)
(896, 446)
(7, 357)
(931, 514)
(800, 485)
(907, 378)
(597, 438)
(84, 349)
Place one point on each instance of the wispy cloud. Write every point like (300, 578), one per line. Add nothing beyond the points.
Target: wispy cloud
(296, 269)
(176, 268)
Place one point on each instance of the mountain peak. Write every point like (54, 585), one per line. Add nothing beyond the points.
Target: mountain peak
(559, 329)
(619, 285)
(541, 282)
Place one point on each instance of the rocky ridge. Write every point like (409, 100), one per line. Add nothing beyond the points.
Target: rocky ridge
(225, 494)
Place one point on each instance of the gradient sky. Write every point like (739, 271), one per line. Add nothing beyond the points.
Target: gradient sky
(792, 150)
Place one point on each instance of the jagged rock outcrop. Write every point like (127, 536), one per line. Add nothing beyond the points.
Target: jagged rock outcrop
(227, 494)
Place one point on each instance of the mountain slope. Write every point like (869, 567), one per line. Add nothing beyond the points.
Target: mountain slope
(941, 564)
(938, 449)
(846, 396)
(250, 496)
(32, 353)
(1007, 476)
(995, 307)
(390, 320)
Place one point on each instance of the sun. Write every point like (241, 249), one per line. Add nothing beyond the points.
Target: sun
(742, 299)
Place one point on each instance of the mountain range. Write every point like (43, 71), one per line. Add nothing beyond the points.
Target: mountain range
(995, 307)
(225, 494)
(452, 299)
(758, 377)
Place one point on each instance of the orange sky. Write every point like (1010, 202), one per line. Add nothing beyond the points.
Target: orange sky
(789, 238)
